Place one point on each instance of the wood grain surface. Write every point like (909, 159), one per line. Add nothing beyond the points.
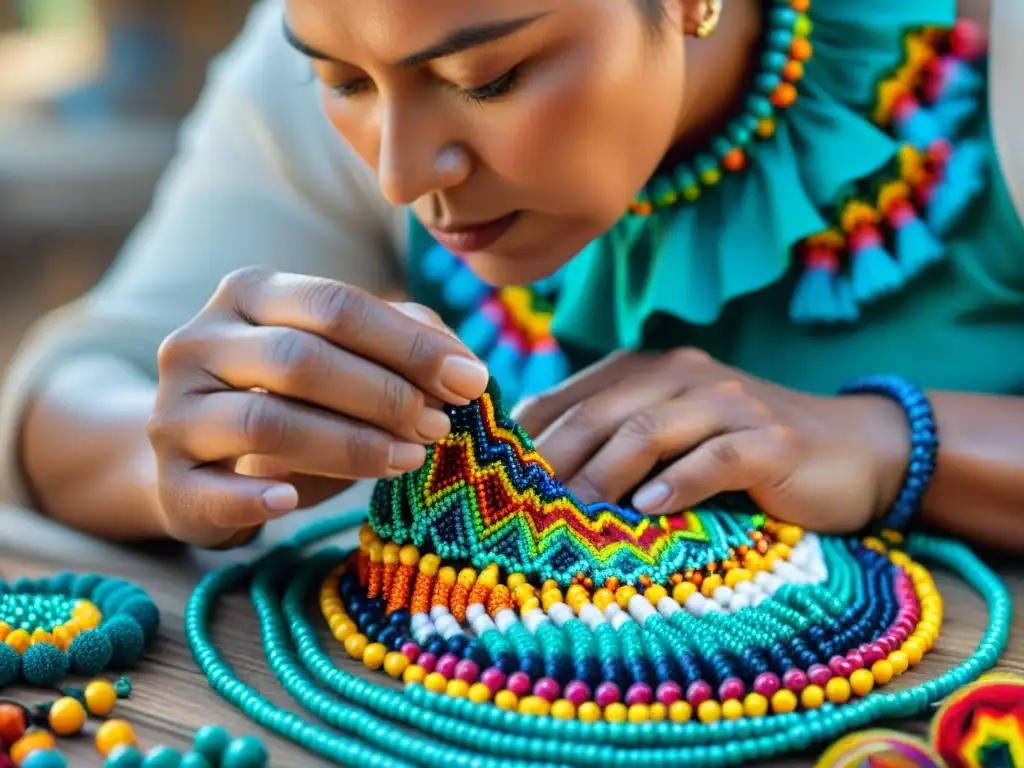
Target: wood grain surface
(171, 698)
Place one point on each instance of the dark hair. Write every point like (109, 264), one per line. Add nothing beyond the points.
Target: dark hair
(653, 12)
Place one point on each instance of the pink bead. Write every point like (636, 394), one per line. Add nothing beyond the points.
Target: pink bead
(547, 689)
(698, 693)
(840, 667)
(819, 674)
(446, 665)
(855, 660)
(883, 643)
(493, 678)
(639, 693)
(607, 693)
(669, 693)
(795, 680)
(467, 670)
(428, 661)
(732, 688)
(899, 634)
(767, 683)
(411, 651)
(577, 692)
(518, 683)
(874, 653)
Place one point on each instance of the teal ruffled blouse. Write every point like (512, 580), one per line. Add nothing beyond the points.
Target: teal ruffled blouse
(852, 220)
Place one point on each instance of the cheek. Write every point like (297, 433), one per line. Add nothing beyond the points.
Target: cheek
(358, 127)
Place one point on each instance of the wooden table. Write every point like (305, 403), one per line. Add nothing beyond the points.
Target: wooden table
(171, 698)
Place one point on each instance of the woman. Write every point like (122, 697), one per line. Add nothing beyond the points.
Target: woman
(700, 223)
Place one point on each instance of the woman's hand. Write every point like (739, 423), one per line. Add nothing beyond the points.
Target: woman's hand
(285, 389)
(677, 428)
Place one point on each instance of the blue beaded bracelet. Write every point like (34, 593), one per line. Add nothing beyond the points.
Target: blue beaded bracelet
(924, 443)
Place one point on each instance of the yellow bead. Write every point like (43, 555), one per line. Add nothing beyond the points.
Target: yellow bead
(534, 705)
(62, 638)
(862, 681)
(395, 664)
(112, 734)
(755, 705)
(790, 535)
(479, 693)
(914, 651)
(5, 630)
(735, 575)
(589, 712)
(457, 689)
(783, 702)
(549, 598)
(709, 711)
(489, 576)
(506, 700)
(623, 595)
(732, 709)
(710, 584)
(882, 671)
(344, 630)
(429, 564)
(435, 682)
(812, 697)
(374, 655)
(530, 605)
(563, 710)
(33, 740)
(683, 590)
(409, 555)
(659, 712)
(639, 713)
(19, 640)
(100, 698)
(899, 662)
(355, 645)
(603, 598)
(515, 580)
(837, 690)
(66, 716)
(616, 713)
(390, 554)
(40, 635)
(655, 593)
(680, 712)
(414, 673)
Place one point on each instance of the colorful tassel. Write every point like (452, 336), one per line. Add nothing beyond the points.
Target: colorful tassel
(480, 330)
(963, 177)
(875, 272)
(819, 297)
(949, 77)
(913, 123)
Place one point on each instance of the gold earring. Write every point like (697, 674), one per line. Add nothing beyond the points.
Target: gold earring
(711, 17)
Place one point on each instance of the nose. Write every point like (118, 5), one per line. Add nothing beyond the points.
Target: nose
(414, 160)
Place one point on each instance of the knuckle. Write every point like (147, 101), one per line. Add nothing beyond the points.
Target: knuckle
(242, 280)
(179, 348)
(731, 388)
(338, 306)
(398, 400)
(423, 349)
(688, 357)
(367, 453)
(587, 416)
(725, 454)
(782, 436)
(589, 488)
(294, 359)
(262, 427)
(645, 430)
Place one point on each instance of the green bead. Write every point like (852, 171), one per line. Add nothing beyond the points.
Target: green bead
(124, 756)
(10, 665)
(211, 741)
(245, 752)
(194, 760)
(123, 687)
(43, 664)
(90, 653)
(126, 638)
(162, 757)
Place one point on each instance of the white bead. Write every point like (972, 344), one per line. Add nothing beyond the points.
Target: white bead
(667, 607)
(560, 613)
(619, 619)
(739, 602)
(437, 611)
(696, 604)
(722, 595)
(504, 619)
(473, 610)
(418, 621)
(640, 609)
(534, 619)
(591, 615)
(748, 588)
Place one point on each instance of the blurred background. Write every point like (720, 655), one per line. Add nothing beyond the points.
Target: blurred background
(91, 96)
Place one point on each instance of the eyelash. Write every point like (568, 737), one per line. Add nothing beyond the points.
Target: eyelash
(492, 91)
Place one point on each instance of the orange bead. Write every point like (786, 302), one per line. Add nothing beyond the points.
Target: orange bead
(734, 160)
(801, 49)
(784, 95)
(800, 6)
(112, 734)
(12, 723)
(793, 71)
(36, 739)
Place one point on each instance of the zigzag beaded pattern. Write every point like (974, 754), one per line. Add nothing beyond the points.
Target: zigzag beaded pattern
(485, 496)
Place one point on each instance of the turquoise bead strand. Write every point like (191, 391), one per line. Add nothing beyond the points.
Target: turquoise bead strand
(373, 721)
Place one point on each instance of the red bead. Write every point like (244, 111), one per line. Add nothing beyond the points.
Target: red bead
(767, 684)
(795, 680)
(732, 688)
(12, 723)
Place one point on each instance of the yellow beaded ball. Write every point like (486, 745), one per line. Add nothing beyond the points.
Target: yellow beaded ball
(66, 716)
(32, 741)
(113, 734)
(100, 698)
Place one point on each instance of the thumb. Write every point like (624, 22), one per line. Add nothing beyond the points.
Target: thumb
(423, 314)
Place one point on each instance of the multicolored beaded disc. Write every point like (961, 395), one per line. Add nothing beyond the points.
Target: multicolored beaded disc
(530, 629)
(71, 623)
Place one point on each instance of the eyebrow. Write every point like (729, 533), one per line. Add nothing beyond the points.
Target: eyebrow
(456, 42)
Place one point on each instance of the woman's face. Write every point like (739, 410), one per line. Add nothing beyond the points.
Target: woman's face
(517, 130)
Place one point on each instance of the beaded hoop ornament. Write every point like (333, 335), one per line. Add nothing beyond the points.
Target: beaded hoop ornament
(81, 624)
(530, 629)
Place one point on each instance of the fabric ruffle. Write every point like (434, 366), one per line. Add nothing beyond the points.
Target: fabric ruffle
(866, 172)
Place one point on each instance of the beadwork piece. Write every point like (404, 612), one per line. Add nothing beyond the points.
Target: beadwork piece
(982, 725)
(71, 624)
(527, 626)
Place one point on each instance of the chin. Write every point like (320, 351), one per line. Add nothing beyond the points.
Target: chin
(520, 266)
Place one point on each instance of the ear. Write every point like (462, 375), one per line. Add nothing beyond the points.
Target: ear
(691, 14)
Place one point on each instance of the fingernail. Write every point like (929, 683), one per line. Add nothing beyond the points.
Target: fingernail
(464, 377)
(433, 425)
(650, 497)
(407, 456)
(281, 499)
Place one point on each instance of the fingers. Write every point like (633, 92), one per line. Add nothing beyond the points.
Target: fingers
(223, 426)
(304, 367)
(352, 319)
(737, 461)
(652, 435)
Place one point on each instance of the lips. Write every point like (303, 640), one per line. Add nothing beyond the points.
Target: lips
(477, 237)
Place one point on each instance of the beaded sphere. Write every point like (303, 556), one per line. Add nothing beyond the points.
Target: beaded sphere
(10, 665)
(127, 640)
(43, 664)
(90, 653)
